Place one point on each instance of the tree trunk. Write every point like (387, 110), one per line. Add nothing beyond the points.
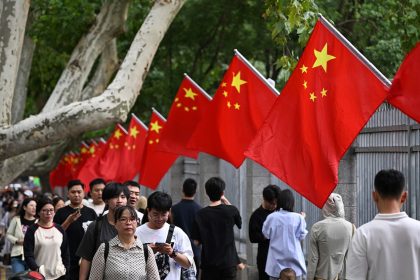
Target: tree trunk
(13, 15)
(113, 105)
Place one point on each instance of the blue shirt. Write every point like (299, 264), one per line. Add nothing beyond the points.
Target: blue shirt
(285, 231)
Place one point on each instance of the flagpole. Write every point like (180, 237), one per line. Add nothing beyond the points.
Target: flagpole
(197, 86)
(159, 114)
(256, 72)
(355, 51)
(139, 121)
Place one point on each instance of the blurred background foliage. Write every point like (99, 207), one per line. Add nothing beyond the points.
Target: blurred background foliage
(271, 34)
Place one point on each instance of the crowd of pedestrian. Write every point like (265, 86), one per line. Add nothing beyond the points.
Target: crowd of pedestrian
(118, 234)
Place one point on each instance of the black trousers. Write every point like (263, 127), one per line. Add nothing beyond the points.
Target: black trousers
(228, 273)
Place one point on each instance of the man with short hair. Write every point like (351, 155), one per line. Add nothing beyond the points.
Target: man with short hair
(213, 229)
(96, 188)
(170, 254)
(268, 206)
(183, 213)
(134, 189)
(74, 219)
(388, 247)
(103, 229)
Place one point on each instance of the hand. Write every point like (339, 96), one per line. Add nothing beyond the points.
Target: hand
(224, 200)
(163, 249)
(73, 217)
(303, 214)
(19, 242)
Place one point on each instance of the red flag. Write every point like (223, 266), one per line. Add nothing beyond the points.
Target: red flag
(405, 89)
(81, 159)
(186, 110)
(239, 107)
(324, 105)
(155, 163)
(132, 152)
(62, 172)
(109, 163)
(89, 170)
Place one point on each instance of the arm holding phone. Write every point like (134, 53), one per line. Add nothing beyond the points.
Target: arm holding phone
(71, 218)
(166, 248)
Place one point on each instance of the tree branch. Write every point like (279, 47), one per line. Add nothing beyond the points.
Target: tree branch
(112, 106)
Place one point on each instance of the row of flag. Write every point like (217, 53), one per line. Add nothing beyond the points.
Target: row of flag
(299, 135)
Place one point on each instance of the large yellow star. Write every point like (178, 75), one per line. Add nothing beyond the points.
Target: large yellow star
(134, 132)
(190, 94)
(322, 57)
(237, 82)
(117, 134)
(155, 126)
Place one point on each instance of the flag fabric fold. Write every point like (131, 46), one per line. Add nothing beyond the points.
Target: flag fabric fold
(237, 111)
(132, 150)
(405, 88)
(155, 163)
(187, 109)
(328, 99)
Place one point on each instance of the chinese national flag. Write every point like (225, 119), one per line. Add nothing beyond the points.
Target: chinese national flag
(155, 163)
(89, 170)
(238, 109)
(81, 159)
(326, 102)
(109, 163)
(60, 176)
(132, 151)
(186, 110)
(405, 88)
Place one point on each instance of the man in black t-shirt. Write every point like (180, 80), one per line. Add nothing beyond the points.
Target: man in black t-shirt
(183, 214)
(74, 219)
(268, 206)
(213, 228)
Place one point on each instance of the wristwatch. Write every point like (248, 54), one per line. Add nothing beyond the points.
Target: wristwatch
(174, 254)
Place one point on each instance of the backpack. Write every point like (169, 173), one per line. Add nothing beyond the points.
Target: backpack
(162, 260)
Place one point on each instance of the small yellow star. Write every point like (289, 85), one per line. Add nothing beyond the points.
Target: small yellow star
(155, 126)
(224, 84)
(92, 150)
(304, 69)
(312, 96)
(186, 109)
(228, 104)
(117, 134)
(134, 132)
(157, 140)
(225, 93)
(194, 108)
(176, 99)
(322, 57)
(84, 150)
(237, 106)
(150, 141)
(323, 92)
(237, 82)
(178, 105)
(305, 84)
(190, 94)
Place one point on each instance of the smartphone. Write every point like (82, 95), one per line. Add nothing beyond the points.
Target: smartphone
(160, 244)
(77, 210)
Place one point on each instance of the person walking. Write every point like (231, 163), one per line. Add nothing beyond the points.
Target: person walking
(388, 247)
(45, 244)
(258, 217)
(286, 230)
(124, 256)
(16, 233)
(329, 242)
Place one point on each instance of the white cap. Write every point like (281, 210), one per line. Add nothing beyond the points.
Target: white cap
(28, 193)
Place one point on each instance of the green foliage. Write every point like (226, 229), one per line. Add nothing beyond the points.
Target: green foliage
(290, 22)
(57, 27)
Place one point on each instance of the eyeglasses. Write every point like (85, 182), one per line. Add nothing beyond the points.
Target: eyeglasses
(125, 220)
(47, 210)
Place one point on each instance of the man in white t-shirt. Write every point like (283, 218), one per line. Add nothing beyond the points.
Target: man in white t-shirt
(170, 256)
(97, 186)
(388, 247)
